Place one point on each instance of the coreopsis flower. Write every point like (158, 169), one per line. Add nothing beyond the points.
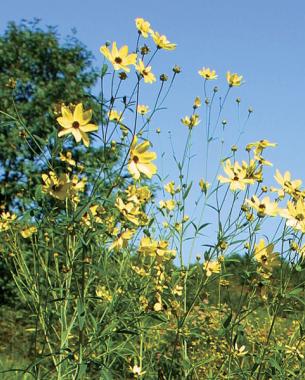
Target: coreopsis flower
(145, 72)
(264, 207)
(162, 42)
(177, 290)
(168, 205)
(138, 195)
(157, 249)
(28, 232)
(142, 109)
(121, 239)
(136, 371)
(259, 146)
(57, 187)
(129, 210)
(197, 102)
(77, 123)
(191, 121)
(265, 256)
(78, 184)
(211, 267)
(67, 158)
(143, 27)
(94, 214)
(170, 188)
(240, 351)
(140, 160)
(6, 220)
(204, 185)
(288, 186)
(234, 79)
(115, 116)
(237, 176)
(253, 170)
(295, 214)
(207, 73)
(119, 58)
(103, 293)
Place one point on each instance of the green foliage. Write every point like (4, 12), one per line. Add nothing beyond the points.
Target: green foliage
(38, 73)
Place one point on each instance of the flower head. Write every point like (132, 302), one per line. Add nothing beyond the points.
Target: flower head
(121, 239)
(143, 26)
(237, 176)
(234, 79)
(145, 72)
(191, 121)
(77, 123)
(162, 42)
(264, 255)
(142, 109)
(140, 160)
(119, 58)
(263, 207)
(211, 267)
(57, 187)
(207, 73)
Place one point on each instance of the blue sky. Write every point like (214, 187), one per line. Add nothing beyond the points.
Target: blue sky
(262, 40)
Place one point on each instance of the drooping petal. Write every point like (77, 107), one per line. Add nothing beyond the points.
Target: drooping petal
(89, 128)
(85, 138)
(64, 132)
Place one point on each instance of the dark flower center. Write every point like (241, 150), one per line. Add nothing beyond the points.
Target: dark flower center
(118, 60)
(75, 124)
(135, 159)
(300, 217)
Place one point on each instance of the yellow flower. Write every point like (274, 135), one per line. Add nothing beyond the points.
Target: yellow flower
(142, 109)
(234, 79)
(145, 72)
(191, 121)
(162, 42)
(6, 219)
(259, 146)
(207, 73)
(120, 59)
(57, 187)
(129, 210)
(211, 267)
(197, 102)
(103, 293)
(28, 232)
(157, 249)
(122, 239)
(288, 186)
(76, 123)
(295, 214)
(169, 204)
(143, 26)
(204, 185)
(140, 160)
(264, 255)
(67, 158)
(170, 187)
(138, 195)
(115, 116)
(263, 207)
(93, 215)
(237, 176)
(253, 171)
